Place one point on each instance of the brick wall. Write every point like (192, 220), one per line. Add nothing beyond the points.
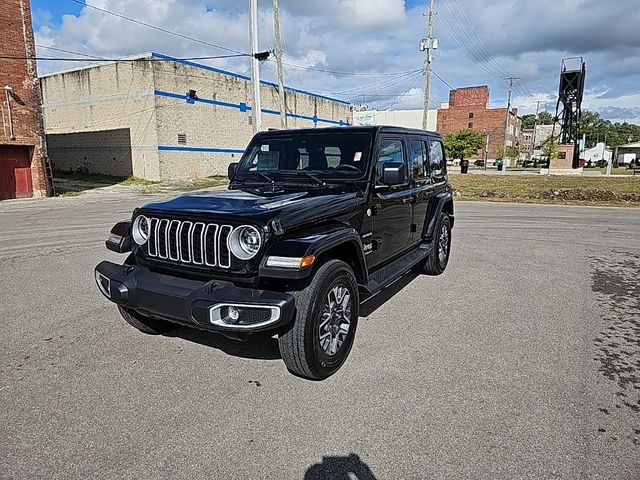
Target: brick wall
(565, 157)
(21, 76)
(468, 109)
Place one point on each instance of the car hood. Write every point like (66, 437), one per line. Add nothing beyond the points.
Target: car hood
(290, 208)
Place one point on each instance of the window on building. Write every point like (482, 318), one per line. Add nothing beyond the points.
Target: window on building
(470, 124)
(562, 155)
(470, 115)
(182, 139)
(417, 159)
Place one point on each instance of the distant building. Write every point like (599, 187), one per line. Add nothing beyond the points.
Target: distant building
(469, 108)
(22, 150)
(139, 118)
(398, 118)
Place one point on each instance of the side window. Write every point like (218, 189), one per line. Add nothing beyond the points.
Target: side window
(417, 159)
(436, 158)
(390, 151)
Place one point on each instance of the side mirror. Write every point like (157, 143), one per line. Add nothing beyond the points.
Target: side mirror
(393, 174)
(231, 170)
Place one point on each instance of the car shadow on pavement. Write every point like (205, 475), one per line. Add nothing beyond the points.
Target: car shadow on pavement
(340, 468)
(258, 346)
(369, 306)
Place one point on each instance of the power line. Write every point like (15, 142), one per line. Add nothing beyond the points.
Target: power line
(443, 80)
(68, 59)
(336, 72)
(160, 29)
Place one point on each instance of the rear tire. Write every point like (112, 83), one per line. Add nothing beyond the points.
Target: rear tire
(319, 339)
(438, 259)
(151, 326)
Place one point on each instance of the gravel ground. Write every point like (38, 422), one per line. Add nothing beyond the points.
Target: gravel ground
(521, 361)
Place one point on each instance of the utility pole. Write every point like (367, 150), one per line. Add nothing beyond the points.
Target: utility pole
(256, 109)
(533, 137)
(278, 52)
(506, 125)
(486, 151)
(427, 74)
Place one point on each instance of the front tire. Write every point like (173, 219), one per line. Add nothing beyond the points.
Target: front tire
(320, 338)
(151, 326)
(438, 259)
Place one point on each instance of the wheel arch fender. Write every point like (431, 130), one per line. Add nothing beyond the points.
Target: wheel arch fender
(444, 203)
(338, 241)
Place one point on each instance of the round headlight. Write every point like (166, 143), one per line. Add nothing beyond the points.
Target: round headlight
(140, 230)
(244, 242)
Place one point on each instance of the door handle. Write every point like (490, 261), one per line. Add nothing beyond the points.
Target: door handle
(407, 200)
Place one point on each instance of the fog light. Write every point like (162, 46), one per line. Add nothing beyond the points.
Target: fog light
(233, 313)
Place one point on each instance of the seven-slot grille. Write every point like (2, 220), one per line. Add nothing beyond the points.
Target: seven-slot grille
(197, 243)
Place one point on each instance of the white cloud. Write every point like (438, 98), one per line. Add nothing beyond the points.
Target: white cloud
(526, 39)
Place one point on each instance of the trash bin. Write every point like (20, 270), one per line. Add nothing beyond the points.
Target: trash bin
(464, 166)
(499, 165)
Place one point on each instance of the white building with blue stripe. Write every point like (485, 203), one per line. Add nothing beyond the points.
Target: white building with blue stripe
(157, 117)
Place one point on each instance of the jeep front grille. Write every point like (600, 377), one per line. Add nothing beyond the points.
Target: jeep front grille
(196, 243)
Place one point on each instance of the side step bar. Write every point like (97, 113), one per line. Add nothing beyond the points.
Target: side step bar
(396, 269)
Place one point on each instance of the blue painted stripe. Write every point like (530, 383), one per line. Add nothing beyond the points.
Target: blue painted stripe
(243, 107)
(243, 77)
(180, 148)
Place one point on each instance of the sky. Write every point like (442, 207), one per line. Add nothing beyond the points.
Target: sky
(368, 50)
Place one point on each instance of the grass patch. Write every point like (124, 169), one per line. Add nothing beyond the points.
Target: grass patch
(138, 181)
(567, 190)
(614, 171)
(210, 182)
(69, 193)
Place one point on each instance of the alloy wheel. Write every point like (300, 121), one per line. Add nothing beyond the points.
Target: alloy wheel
(443, 245)
(335, 320)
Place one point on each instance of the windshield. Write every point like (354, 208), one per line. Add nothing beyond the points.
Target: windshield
(328, 155)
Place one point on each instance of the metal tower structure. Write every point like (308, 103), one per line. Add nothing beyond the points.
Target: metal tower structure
(568, 107)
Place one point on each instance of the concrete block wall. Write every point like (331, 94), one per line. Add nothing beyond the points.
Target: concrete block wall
(21, 76)
(149, 99)
(89, 111)
(218, 124)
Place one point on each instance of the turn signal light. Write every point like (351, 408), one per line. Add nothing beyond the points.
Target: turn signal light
(307, 261)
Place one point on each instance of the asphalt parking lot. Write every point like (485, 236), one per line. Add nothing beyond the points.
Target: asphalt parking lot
(521, 361)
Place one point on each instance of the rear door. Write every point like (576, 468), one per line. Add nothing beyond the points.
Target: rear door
(393, 205)
(422, 189)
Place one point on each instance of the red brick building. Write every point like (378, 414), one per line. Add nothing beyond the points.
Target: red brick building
(22, 148)
(469, 108)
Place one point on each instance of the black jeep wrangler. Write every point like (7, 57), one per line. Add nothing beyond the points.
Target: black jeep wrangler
(315, 221)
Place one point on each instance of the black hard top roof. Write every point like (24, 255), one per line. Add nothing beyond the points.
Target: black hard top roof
(352, 128)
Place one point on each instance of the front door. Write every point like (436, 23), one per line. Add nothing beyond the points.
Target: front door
(15, 172)
(392, 205)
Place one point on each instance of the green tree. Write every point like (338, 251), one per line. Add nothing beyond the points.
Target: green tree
(463, 143)
(597, 129)
(550, 149)
(544, 118)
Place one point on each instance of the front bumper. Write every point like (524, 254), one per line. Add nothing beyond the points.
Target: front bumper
(191, 302)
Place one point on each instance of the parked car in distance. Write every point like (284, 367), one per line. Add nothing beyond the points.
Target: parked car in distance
(479, 163)
(314, 222)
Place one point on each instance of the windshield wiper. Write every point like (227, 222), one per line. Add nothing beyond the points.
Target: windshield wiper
(266, 177)
(319, 181)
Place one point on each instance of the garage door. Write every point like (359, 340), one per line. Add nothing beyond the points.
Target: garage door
(15, 172)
